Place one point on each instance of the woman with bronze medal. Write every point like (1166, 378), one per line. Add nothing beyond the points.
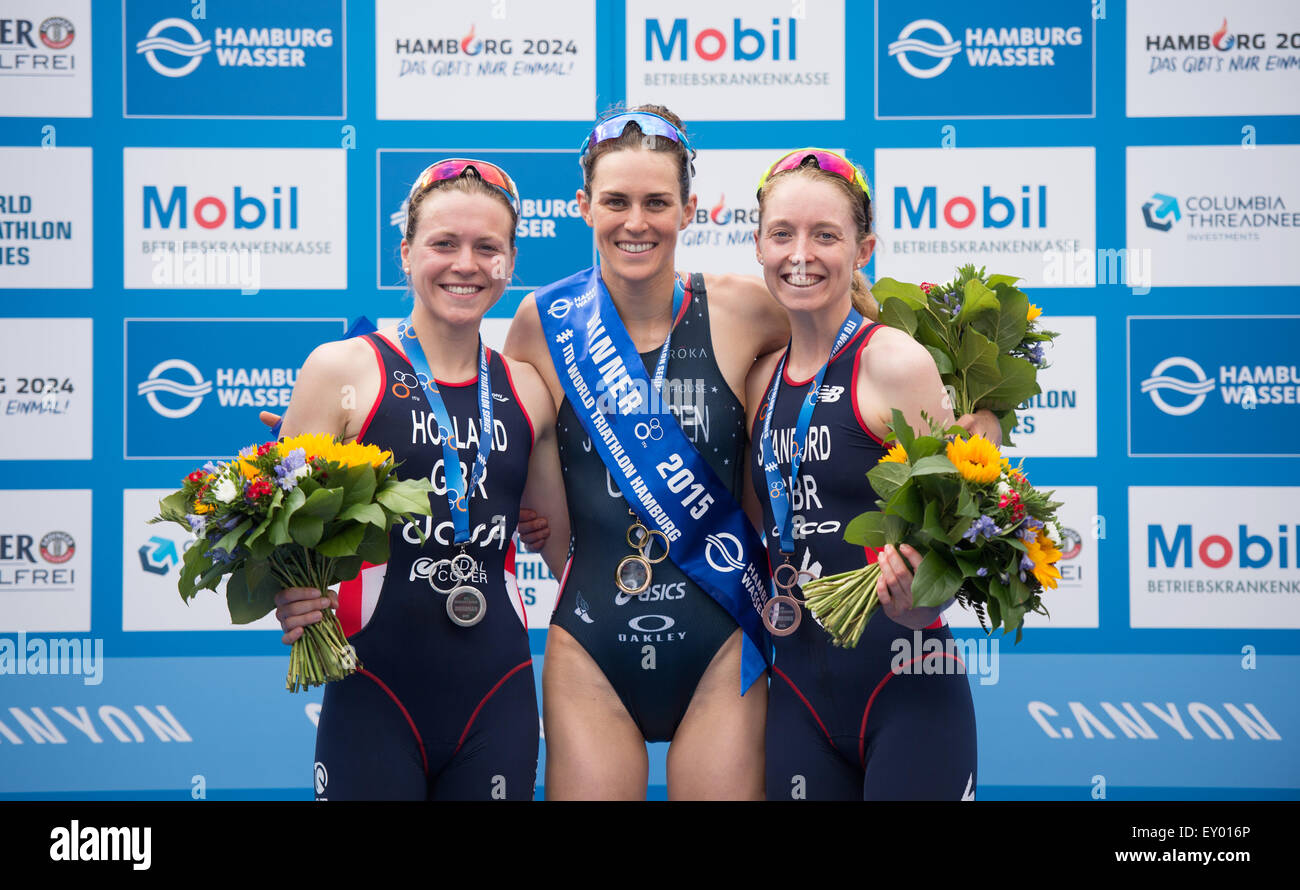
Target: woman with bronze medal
(443, 705)
(843, 724)
(657, 634)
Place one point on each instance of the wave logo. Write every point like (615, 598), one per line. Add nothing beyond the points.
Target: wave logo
(943, 50)
(193, 391)
(154, 43)
(1161, 207)
(724, 552)
(1197, 387)
(468, 45)
(1221, 39)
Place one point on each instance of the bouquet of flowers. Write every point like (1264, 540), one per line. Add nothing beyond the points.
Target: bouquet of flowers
(302, 512)
(982, 333)
(990, 538)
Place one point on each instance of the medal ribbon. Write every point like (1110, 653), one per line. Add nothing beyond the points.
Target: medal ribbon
(458, 495)
(712, 539)
(782, 510)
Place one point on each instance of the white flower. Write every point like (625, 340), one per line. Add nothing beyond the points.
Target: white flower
(1003, 489)
(224, 491)
(1054, 533)
(304, 470)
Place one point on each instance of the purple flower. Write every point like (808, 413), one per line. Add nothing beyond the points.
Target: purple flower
(1025, 565)
(197, 523)
(1036, 355)
(287, 470)
(212, 468)
(982, 572)
(983, 526)
(224, 557)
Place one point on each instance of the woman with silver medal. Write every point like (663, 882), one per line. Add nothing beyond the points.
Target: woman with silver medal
(443, 705)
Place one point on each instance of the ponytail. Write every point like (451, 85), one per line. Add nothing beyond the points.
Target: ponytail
(863, 301)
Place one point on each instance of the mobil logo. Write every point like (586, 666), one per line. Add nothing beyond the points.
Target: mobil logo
(1240, 547)
(683, 39)
(170, 207)
(1023, 206)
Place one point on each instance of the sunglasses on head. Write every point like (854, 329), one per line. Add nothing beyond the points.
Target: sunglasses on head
(649, 123)
(824, 160)
(453, 168)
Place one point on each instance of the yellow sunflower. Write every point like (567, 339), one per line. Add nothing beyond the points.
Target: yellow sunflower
(247, 468)
(976, 458)
(315, 444)
(1033, 312)
(896, 455)
(1045, 556)
(200, 508)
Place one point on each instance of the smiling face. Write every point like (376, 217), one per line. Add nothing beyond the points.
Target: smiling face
(809, 243)
(636, 211)
(460, 259)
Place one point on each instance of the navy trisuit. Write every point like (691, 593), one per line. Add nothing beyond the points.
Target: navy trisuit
(840, 724)
(437, 711)
(655, 646)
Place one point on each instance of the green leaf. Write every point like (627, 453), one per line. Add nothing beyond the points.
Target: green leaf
(174, 507)
(400, 497)
(230, 540)
(968, 565)
(994, 606)
(942, 360)
(250, 592)
(932, 522)
(902, 430)
(306, 529)
(279, 531)
(193, 564)
(374, 546)
(937, 463)
(925, 446)
(358, 485)
(887, 478)
(1008, 280)
(308, 485)
(897, 314)
(931, 332)
(344, 569)
(906, 502)
(866, 530)
(976, 349)
(910, 294)
(975, 300)
(1011, 321)
(324, 503)
(1019, 591)
(1019, 381)
(211, 576)
(896, 528)
(345, 543)
(937, 580)
(966, 506)
(372, 514)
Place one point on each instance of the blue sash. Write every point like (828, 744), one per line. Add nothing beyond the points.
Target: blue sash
(663, 478)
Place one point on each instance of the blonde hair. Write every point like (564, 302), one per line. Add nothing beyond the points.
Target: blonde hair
(859, 209)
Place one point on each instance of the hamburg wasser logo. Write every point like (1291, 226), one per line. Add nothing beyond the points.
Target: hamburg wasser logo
(1190, 381)
(186, 383)
(169, 56)
(1161, 212)
(986, 47)
(943, 49)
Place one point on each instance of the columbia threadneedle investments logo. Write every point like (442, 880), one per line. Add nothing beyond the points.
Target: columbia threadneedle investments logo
(1161, 207)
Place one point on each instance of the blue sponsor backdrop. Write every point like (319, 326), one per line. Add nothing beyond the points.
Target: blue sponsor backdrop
(552, 238)
(184, 399)
(952, 59)
(247, 58)
(225, 689)
(1214, 386)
